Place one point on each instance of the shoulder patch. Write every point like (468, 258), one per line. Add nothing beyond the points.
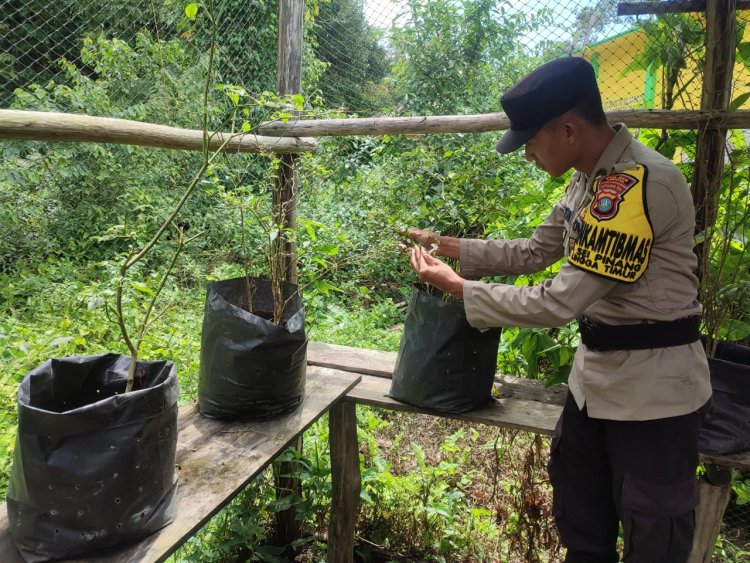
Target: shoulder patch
(616, 235)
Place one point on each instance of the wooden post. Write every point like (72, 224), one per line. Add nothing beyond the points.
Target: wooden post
(288, 81)
(345, 480)
(721, 30)
(712, 501)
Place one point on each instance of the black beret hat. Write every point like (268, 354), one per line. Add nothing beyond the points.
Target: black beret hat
(544, 94)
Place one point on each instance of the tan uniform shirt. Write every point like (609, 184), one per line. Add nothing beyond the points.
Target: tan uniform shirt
(622, 384)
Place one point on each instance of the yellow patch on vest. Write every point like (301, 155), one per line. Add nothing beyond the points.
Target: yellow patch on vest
(615, 234)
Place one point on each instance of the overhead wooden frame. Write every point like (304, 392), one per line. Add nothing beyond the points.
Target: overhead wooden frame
(669, 7)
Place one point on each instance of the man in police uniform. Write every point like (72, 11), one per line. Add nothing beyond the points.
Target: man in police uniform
(625, 447)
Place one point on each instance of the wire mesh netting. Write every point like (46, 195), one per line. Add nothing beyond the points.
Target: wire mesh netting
(360, 55)
(146, 60)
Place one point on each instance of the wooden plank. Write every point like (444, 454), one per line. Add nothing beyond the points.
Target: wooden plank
(289, 62)
(216, 460)
(488, 122)
(345, 480)
(521, 414)
(740, 460)
(53, 126)
(381, 364)
(349, 358)
(8, 552)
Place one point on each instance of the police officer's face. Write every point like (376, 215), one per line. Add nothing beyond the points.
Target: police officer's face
(549, 149)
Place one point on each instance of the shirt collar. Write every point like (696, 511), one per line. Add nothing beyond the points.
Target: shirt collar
(612, 153)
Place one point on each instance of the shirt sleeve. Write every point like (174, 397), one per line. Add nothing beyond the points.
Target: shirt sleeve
(552, 303)
(515, 256)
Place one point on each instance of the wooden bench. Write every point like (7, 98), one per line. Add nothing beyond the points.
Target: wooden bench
(522, 404)
(216, 460)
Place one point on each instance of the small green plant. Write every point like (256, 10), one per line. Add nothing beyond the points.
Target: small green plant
(136, 255)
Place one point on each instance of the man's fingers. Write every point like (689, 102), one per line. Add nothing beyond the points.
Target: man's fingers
(415, 262)
(429, 259)
(418, 235)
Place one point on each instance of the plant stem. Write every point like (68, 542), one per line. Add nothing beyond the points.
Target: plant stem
(249, 286)
(136, 256)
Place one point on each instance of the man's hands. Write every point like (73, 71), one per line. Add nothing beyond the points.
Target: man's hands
(434, 243)
(435, 272)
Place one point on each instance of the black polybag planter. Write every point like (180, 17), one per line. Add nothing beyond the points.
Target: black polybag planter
(443, 363)
(726, 427)
(93, 467)
(251, 368)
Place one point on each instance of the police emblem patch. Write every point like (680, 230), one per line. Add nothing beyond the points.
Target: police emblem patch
(615, 234)
(610, 191)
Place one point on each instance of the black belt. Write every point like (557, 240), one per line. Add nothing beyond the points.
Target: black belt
(640, 336)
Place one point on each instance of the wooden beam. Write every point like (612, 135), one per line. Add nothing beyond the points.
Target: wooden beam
(288, 81)
(483, 123)
(68, 127)
(345, 482)
(671, 7)
(284, 211)
(289, 63)
(712, 502)
(721, 32)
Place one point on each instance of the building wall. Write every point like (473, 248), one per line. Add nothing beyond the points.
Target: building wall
(643, 89)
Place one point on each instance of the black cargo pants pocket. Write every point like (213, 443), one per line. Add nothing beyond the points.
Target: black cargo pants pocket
(658, 520)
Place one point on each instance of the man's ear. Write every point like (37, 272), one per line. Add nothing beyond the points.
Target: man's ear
(570, 128)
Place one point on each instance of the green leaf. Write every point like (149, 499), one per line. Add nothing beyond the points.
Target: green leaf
(142, 288)
(743, 50)
(329, 249)
(191, 11)
(59, 341)
(739, 101)
(299, 101)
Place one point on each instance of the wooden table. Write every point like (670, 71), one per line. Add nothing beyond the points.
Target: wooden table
(216, 460)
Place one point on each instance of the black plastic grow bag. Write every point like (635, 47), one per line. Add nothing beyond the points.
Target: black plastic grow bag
(251, 368)
(93, 467)
(443, 362)
(726, 427)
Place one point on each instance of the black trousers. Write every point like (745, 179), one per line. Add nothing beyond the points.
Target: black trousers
(640, 473)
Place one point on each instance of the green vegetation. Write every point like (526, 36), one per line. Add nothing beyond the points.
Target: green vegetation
(433, 489)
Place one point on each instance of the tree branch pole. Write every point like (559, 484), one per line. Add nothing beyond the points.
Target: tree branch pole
(289, 81)
(489, 122)
(294, 136)
(284, 252)
(721, 30)
(67, 127)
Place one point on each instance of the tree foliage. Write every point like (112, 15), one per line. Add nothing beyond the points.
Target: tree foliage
(356, 61)
(457, 57)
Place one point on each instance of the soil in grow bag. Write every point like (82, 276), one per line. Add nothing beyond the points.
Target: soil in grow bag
(726, 427)
(93, 467)
(251, 368)
(443, 363)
